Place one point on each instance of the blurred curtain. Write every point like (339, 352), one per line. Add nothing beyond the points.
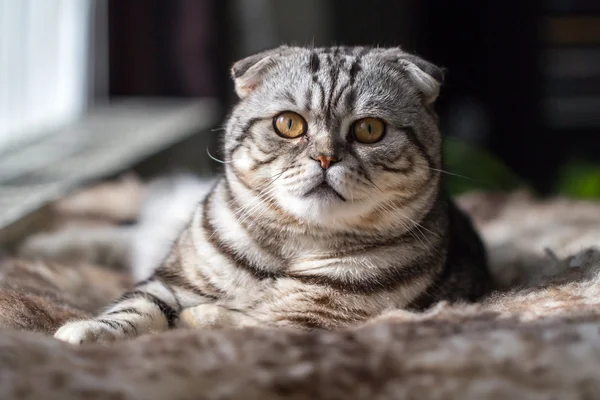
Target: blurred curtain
(168, 48)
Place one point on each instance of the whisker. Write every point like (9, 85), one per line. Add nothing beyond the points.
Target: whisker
(418, 225)
(264, 194)
(246, 211)
(216, 159)
(393, 213)
(251, 206)
(373, 183)
(388, 210)
(417, 235)
(264, 197)
(453, 174)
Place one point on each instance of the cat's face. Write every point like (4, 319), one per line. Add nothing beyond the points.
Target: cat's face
(334, 134)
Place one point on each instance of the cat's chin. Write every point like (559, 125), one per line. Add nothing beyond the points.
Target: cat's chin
(323, 207)
(325, 194)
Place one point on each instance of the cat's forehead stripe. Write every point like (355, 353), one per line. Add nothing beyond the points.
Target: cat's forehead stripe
(326, 66)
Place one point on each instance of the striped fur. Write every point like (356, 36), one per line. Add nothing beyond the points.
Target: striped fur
(281, 239)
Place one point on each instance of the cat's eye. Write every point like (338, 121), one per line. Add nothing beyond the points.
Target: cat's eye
(289, 125)
(368, 130)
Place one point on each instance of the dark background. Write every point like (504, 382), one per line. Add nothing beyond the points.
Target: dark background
(523, 78)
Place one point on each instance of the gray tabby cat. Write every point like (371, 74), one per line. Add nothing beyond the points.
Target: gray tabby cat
(331, 209)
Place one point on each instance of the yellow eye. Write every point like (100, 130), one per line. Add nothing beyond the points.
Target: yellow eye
(368, 130)
(289, 125)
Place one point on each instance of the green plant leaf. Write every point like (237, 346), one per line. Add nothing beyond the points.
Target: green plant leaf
(477, 169)
(580, 179)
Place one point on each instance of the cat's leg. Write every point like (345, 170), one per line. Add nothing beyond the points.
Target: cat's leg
(152, 306)
(215, 316)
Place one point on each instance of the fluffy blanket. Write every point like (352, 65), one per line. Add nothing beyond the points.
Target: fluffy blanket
(539, 338)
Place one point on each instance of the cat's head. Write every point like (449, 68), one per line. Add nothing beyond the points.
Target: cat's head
(335, 134)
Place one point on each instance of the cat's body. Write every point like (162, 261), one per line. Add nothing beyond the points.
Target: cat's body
(331, 210)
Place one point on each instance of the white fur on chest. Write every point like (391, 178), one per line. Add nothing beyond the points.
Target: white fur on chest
(306, 257)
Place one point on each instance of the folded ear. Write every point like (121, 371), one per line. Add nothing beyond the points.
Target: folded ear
(248, 72)
(426, 76)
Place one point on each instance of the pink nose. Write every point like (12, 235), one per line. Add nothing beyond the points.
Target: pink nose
(326, 161)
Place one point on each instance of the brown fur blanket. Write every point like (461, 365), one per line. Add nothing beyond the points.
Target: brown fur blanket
(539, 338)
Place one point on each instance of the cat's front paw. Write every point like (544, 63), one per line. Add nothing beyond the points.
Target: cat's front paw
(86, 331)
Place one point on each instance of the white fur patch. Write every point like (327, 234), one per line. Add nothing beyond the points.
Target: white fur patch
(169, 206)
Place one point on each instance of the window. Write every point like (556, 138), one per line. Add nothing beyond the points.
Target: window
(43, 66)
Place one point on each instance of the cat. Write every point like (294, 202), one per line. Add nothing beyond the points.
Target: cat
(331, 209)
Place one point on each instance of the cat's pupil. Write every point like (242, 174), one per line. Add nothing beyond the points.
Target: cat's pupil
(369, 129)
(290, 123)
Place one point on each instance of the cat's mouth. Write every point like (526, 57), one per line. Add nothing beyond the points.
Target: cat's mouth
(324, 190)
